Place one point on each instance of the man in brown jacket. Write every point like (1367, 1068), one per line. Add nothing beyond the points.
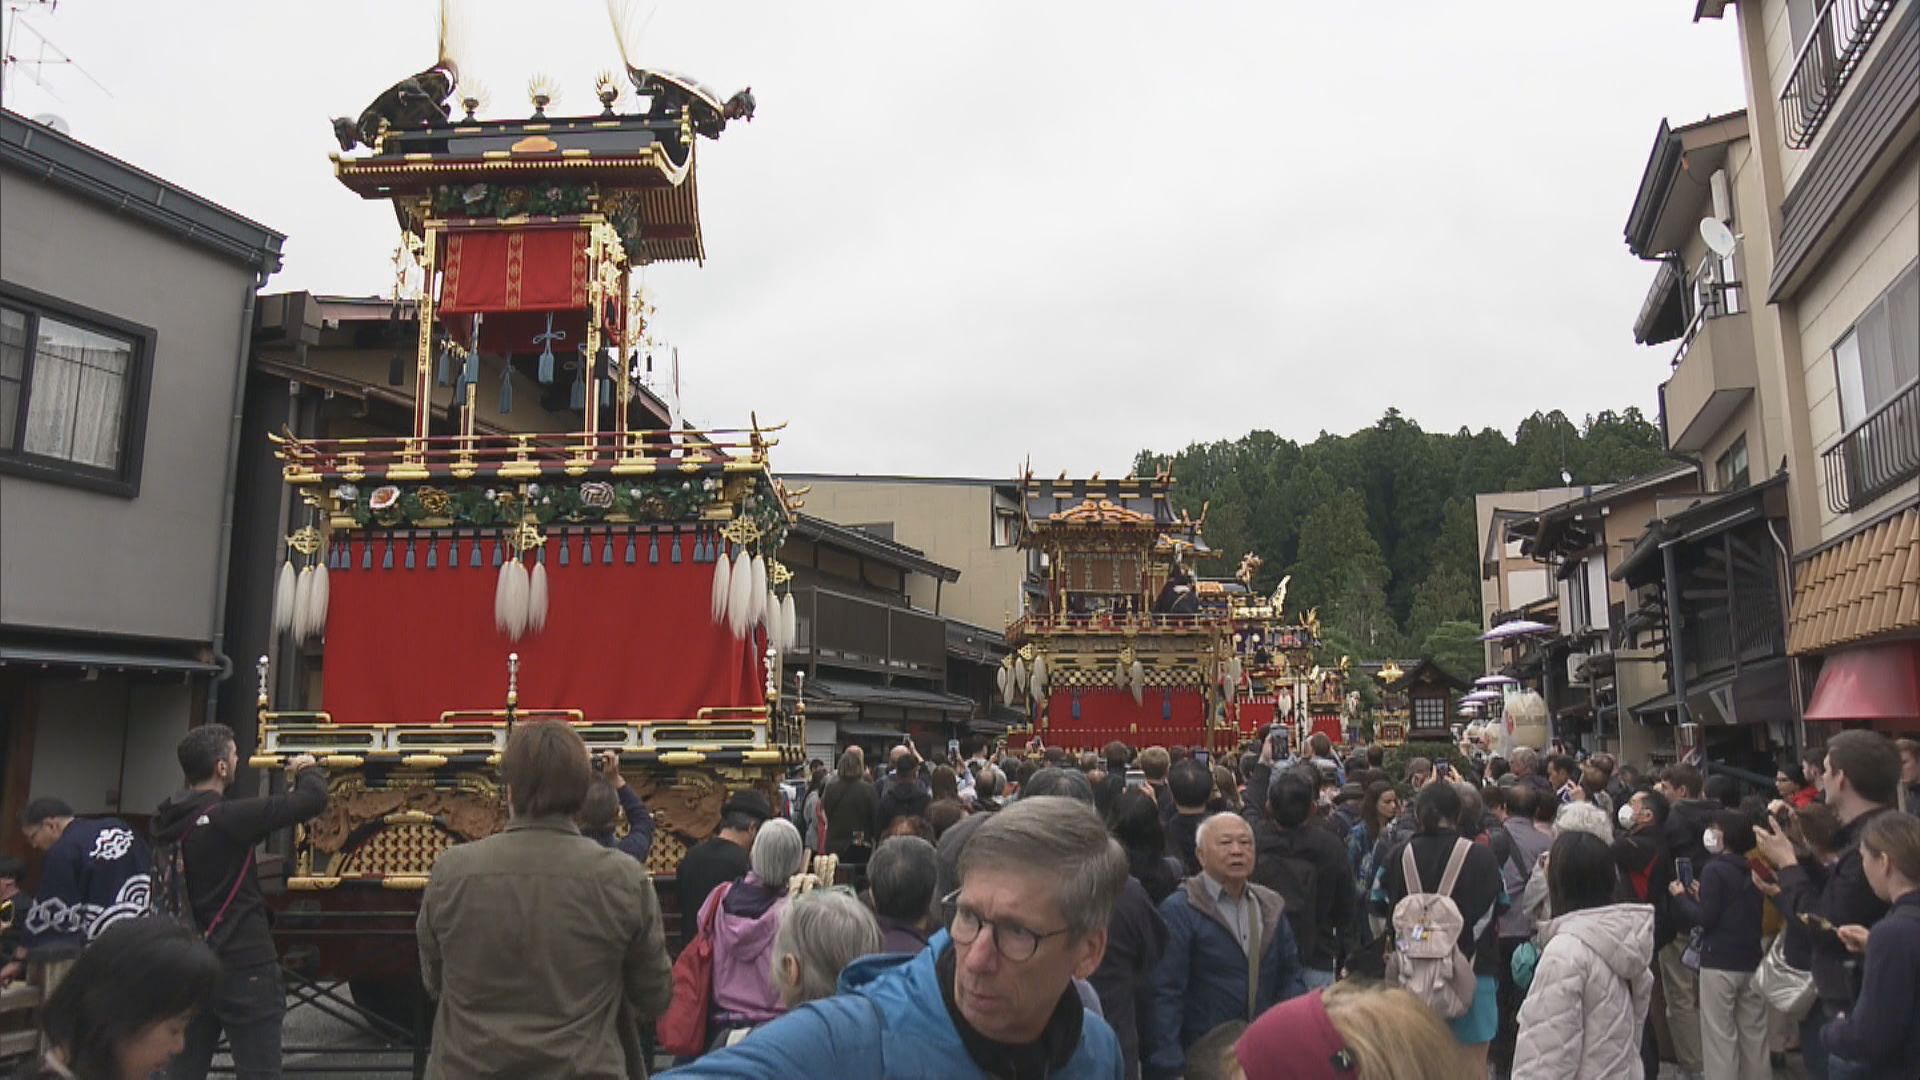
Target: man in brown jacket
(543, 948)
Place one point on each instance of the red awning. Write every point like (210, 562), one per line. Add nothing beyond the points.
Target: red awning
(1878, 684)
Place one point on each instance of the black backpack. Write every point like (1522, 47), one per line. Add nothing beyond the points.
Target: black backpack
(171, 896)
(1296, 877)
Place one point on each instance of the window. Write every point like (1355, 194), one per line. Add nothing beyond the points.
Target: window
(1880, 356)
(1429, 712)
(1730, 471)
(71, 393)
(1006, 527)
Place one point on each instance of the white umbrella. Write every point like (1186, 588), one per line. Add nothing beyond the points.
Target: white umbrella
(1517, 628)
(1479, 696)
(1495, 680)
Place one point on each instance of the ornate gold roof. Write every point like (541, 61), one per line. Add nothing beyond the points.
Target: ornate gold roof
(1101, 512)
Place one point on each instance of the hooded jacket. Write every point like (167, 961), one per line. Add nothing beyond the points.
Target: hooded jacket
(219, 835)
(1686, 828)
(743, 932)
(1588, 1003)
(1202, 981)
(889, 1021)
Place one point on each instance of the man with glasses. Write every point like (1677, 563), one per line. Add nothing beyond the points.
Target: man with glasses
(1230, 955)
(95, 872)
(990, 997)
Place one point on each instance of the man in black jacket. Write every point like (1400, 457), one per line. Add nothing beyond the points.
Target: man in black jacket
(1688, 816)
(1299, 859)
(1645, 872)
(215, 838)
(1861, 782)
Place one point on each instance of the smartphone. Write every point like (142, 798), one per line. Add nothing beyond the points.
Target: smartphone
(1442, 768)
(1683, 872)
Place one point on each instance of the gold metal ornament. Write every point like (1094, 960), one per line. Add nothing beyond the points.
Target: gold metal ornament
(306, 540)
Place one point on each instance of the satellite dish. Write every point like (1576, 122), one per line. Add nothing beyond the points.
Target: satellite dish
(1720, 239)
(57, 123)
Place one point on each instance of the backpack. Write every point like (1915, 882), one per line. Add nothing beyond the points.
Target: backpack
(170, 897)
(1296, 877)
(1426, 959)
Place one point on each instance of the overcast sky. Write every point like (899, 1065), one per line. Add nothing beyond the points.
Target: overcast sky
(959, 234)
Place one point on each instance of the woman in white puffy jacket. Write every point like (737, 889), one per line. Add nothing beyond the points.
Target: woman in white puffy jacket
(1588, 1003)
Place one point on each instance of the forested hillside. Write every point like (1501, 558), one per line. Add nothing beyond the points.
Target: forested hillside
(1377, 527)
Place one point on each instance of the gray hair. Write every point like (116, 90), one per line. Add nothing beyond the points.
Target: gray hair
(1213, 822)
(1524, 760)
(903, 873)
(1053, 781)
(777, 854)
(1063, 840)
(1473, 809)
(851, 767)
(1584, 817)
(825, 930)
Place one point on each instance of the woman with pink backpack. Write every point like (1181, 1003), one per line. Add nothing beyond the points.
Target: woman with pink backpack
(1442, 893)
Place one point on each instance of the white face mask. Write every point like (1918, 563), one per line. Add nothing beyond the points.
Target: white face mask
(1711, 840)
(1626, 815)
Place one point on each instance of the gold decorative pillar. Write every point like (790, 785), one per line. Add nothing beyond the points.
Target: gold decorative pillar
(423, 368)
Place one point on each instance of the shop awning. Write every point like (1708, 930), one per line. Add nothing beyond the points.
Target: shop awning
(905, 697)
(103, 658)
(1877, 684)
(861, 729)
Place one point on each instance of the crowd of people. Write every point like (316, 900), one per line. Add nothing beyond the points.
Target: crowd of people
(1112, 914)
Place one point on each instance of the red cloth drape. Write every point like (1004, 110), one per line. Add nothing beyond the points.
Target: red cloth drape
(514, 269)
(1254, 715)
(1106, 715)
(622, 641)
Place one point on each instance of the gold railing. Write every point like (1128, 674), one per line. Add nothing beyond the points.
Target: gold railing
(523, 456)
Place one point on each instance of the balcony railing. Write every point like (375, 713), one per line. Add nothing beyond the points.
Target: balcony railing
(1839, 38)
(1872, 459)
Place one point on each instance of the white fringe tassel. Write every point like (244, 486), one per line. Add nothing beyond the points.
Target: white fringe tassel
(283, 598)
(302, 596)
(1019, 676)
(537, 598)
(511, 599)
(759, 590)
(722, 581)
(1002, 679)
(740, 594)
(789, 623)
(317, 602)
(1139, 679)
(1038, 677)
(770, 619)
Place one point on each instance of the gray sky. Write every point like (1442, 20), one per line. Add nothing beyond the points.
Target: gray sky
(961, 234)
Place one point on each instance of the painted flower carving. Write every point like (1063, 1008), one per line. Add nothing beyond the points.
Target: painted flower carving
(384, 498)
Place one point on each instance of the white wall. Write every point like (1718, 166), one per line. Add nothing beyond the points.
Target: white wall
(1526, 586)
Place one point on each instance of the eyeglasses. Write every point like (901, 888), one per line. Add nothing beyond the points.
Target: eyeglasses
(1016, 943)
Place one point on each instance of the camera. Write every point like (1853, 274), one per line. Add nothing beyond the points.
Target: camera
(600, 759)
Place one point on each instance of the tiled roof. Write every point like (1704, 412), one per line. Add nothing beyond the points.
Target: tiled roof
(1864, 586)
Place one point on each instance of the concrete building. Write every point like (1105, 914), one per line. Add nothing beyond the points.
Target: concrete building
(1512, 585)
(971, 525)
(126, 311)
(1829, 256)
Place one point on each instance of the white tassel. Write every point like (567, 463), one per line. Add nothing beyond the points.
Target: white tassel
(537, 598)
(317, 603)
(1019, 676)
(1139, 679)
(740, 594)
(283, 599)
(1002, 678)
(1119, 674)
(770, 619)
(302, 596)
(500, 599)
(1039, 676)
(722, 580)
(759, 589)
(511, 598)
(789, 623)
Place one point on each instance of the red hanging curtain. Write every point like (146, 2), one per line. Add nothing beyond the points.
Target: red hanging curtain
(1107, 715)
(513, 269)
(622, 641)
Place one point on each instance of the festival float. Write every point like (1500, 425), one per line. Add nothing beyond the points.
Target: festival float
(620, 578)
(1115, 643)
(1271, 675)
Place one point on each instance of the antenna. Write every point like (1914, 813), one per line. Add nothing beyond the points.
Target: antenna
(46, 54)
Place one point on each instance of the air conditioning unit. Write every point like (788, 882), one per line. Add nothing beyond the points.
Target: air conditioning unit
(1574, 660)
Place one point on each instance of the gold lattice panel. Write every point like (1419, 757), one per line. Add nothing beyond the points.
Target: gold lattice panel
(408, 849)
(666, 853)
(1063, 677)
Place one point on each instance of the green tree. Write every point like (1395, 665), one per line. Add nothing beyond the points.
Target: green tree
(1457, 648)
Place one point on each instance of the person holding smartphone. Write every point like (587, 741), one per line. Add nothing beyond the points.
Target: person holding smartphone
(1725, 904)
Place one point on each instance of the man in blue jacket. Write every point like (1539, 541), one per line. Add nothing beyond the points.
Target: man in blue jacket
(95, 873)
(1229, 956)
(990, 997)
